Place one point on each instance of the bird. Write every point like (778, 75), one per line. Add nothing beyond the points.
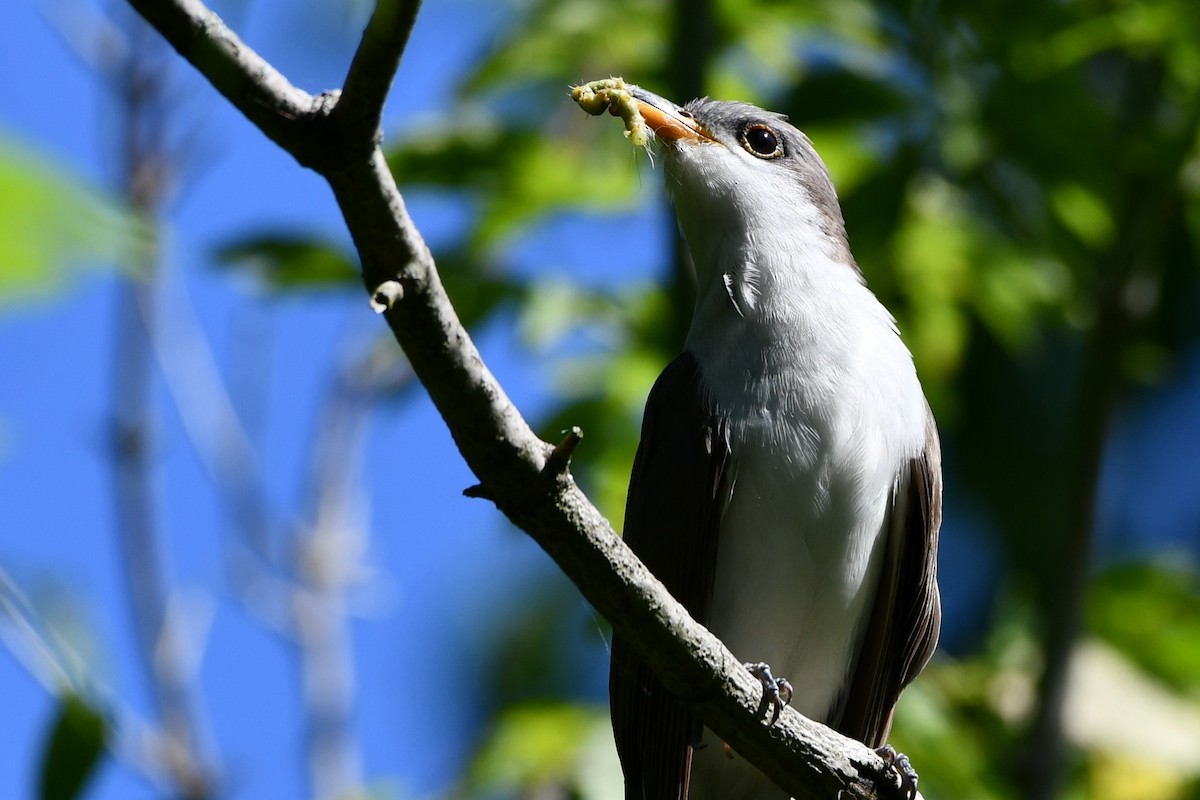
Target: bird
(787, 485)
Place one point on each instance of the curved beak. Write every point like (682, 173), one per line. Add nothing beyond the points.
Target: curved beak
(668, 121)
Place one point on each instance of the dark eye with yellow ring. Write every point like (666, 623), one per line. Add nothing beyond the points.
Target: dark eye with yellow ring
(761, 141)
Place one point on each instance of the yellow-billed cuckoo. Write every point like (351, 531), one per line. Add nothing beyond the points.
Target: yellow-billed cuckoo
(787, 487)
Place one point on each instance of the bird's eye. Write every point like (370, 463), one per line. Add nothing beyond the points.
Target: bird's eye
(683, 112)
(762, 141)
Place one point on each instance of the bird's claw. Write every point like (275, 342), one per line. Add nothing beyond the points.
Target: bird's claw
(777, 692)
(903, 769)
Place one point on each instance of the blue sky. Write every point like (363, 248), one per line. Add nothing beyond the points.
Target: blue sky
(447, 567)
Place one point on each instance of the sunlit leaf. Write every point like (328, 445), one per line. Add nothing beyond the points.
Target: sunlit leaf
(1014, 291)
(537, 746)
(1113, 775)
(603, 387)
(1121, 713)
(1085, 214)
(1125, 598)
(556, 38)
(516, 176)
(933, 258)
(932, 716)
(52, 226)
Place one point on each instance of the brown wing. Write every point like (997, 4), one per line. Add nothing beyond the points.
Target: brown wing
(902, 631)
(676, 495)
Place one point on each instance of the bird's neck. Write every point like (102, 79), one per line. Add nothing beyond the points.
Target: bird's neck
(776, 279)
(781, 320)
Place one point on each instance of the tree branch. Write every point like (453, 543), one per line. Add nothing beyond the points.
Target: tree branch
(806, 759)
(360, 108)
(245, 79)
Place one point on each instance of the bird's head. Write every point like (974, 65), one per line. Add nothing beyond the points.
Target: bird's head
(739, 175)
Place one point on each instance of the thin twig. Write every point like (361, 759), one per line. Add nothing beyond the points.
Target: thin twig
(160, 633)
(52, 662)
(360, 107)
(327, 567)
(58, 667)
(559, 461)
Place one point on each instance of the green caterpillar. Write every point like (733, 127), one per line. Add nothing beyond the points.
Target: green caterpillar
(612, 95)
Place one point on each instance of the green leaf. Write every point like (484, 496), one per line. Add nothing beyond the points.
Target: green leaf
(932, 259)
(568, 37)
(517, 175)
(604, 391)
(1083, 213)
(1124, 599)
(475, 285)
(287, 261)
(72, 750)
(52, 224)
(537, 745)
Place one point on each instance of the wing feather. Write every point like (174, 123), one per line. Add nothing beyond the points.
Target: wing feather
(902, 631)
(676, 497)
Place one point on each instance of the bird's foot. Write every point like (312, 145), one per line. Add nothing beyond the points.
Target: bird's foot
(777, 692)
(903, 769)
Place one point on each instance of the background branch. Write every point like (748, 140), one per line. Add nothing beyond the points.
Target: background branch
(139, 81)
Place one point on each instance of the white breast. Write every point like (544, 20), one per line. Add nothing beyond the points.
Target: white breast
(826, 413)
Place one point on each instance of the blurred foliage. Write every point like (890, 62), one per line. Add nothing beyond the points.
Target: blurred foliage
(1151, 612)
(72, 750)
(1021, 188)
(515, 176)
(282, 261)
(52, 224)
(546, 749)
